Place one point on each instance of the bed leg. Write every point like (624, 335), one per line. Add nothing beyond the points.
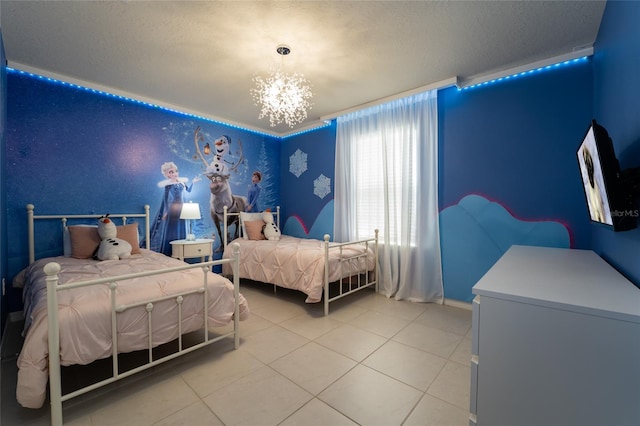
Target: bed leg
(55, 382)
(236, 292)
(376, 264)
(326, 274)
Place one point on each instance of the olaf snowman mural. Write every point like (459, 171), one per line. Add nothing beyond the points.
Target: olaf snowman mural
(218, 172)
(218, 166)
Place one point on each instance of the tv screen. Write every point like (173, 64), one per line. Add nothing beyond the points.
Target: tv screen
(607, 198)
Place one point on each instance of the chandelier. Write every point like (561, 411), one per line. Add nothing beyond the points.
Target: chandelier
(283, 97)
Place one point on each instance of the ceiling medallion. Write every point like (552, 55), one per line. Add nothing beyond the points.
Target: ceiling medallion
(282, 97)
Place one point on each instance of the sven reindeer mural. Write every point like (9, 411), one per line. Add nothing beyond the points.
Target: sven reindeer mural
(218, 172)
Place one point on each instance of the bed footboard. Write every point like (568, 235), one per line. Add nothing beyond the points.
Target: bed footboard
(55, 382)
(354, 269)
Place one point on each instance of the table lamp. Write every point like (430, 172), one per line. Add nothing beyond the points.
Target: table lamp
(189, 212)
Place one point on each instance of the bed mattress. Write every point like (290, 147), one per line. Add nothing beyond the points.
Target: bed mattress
(297, 263)
(85, 313)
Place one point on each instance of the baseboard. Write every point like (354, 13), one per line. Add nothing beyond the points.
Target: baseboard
(458, 304)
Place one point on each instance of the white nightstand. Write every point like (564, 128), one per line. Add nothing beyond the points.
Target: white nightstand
(184, 249)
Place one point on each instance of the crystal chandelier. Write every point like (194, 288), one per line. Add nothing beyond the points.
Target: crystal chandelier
(283, 97)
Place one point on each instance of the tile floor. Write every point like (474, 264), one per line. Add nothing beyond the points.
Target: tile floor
(372, 361)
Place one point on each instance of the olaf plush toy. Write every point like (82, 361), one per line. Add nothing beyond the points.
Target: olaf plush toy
(270, 229)
(111, 247)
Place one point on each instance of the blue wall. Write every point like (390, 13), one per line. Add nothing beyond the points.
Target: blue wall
(304, 212)
(72, 150)
(511, 143)
(3, 179)
(617, 108)
(515, 143)
(508, 170)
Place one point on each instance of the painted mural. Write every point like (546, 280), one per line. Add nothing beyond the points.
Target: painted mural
(72, 150)
(307, 180)
(476, 232)
(166, 225)
(218, 170)
(323, 224)
(224, 170)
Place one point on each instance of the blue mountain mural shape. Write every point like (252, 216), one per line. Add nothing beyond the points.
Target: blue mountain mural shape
(476, 232)
(322, 225)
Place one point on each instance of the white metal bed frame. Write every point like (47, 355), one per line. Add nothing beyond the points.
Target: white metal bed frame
(52, 269)
(364, 279)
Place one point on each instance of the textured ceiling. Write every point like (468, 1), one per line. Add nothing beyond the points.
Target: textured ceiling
(200, 56)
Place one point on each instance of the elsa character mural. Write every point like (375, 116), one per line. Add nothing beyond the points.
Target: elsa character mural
(167, 225)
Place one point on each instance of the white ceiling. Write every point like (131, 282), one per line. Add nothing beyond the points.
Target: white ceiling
(200, 56)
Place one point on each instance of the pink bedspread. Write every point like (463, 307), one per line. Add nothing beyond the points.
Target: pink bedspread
(296, 263)
(85, 313)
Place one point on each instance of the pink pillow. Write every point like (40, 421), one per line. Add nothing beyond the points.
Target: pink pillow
(84, 241)
(254, 229)
(129, 233)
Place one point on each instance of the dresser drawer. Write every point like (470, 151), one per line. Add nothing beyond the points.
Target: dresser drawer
(473, 420)
(475, 323)
(473, 394)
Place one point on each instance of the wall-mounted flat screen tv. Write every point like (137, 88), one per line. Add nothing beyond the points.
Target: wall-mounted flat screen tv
(607, 198)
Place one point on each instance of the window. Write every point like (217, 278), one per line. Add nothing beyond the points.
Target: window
(387, 179)
(384, 170)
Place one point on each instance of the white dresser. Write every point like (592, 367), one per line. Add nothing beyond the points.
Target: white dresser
(556, 341)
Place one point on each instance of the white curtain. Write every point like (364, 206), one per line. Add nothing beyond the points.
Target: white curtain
(386, 178)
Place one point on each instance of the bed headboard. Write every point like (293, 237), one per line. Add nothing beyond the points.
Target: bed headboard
(229, 217)
(64, 218)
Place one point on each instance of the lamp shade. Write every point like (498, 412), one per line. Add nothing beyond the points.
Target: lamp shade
(190, 211)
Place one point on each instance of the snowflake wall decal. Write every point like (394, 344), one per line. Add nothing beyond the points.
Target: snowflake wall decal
(298, 163)
(322, 186)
